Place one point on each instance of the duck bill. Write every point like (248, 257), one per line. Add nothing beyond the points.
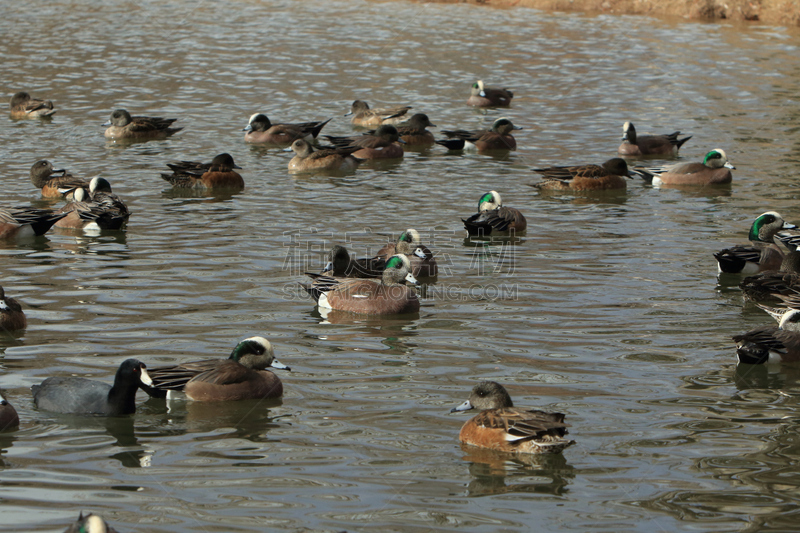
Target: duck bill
(411, 279)
(348, 113)
(280, 366)
(789, 225)
(248, 128)
(728, 165)
(145, 377)
(106, 123)
(466, 406)
(419, 253)
(327, 268)
(515, 127)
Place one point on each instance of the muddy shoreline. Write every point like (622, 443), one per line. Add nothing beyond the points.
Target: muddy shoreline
(778, 12)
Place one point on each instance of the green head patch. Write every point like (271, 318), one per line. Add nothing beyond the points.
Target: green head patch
(394, 262)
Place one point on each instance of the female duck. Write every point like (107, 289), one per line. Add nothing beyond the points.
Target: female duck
(261, 130)
(218, 174)
(501, 426)
(123, 126)
(494, 218)
(365, 117)
(498, 137)
(633, 145)
(388, 296)
(22, 105)
(383, 144)
(242, 376)
(54, 183)
(612, 174)
(335, 159)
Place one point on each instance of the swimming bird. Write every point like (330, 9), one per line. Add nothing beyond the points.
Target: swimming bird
(9, 419)
(11, 315)
(326, 158)
(260, 130)
(494, 218)
(649, 144)
(389, 295)
(409, 243)
(366, 117)
(242, 376)
(218, 174)
(124, 126)
(22, 105)
(91, 523)
(103, 212)
(612, 174)
(771, 344)
(413, 132)
(714, 170)
(501, 426)
(498, 137)
(342, 265)
(54, 183)
(482, 96)
(761, 254)
(25, 222)
(83, 396)
(383, 144)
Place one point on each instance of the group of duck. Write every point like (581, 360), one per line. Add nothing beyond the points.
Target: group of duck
(771, 264)
(375, 285)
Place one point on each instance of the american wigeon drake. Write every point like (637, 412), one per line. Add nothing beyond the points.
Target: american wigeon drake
(89, 397)
(261, 130)
(91, 523)
(494, 218)
(365, 117)
(482, 96)
(219, 174)
(124, 126)
(649, 144)
(413, 132)
(387, 296)
(714, 170)
(9, 419)
(612, 174)
(53, 182)
(761, 254)
(22, 105)
(771, 344)
(242, 376)
(12, 317)
(501, 426)
(498, 137)
(423, 264)
(342, 265)
(383, 144)
(22, 223)
(103, 211)
(328, 158)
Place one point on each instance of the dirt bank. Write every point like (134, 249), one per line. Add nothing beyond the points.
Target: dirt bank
(781, 12)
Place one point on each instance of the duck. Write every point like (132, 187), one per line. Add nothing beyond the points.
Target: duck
(22, 105)
(82, 396)
(327, 158)
(423, 264)
(91, 523)
(612, 174)
(633, 145)
(761, 254)
(388, 296)
(12, 318)
(53, 182)
(242, 376)
(23, 223)
(771, 344)
(714, 170)
(772, 284)
(413, 133)
(502, 427)
(383, 144)
(104, 211)
(260, 130)
(219, 174)
(9, 419)
(341, 265)
(498, 137)
(482, 96)
(123, 126)
(365, 117)
(494, 218)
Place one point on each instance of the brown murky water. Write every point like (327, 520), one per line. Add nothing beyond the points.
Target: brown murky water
(608, 309)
